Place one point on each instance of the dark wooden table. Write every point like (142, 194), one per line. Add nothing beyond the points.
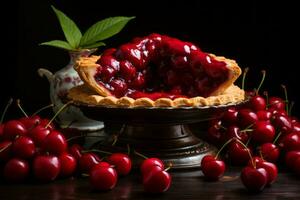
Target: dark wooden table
(185, 185)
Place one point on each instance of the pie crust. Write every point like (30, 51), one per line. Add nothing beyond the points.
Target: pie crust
(85, 95)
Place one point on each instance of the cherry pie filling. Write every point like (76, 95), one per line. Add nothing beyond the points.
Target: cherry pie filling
(159, 66)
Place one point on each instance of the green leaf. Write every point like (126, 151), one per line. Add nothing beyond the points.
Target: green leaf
(59, 44)
(70, 29)
(104, 29)
(97, 44)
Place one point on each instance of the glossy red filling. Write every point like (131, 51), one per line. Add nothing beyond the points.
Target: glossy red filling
(159, 66)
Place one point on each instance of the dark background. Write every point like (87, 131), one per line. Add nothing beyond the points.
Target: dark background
(255, 34)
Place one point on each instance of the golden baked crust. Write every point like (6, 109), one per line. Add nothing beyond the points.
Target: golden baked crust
(234, 72)
(84, 94)
(86, 67)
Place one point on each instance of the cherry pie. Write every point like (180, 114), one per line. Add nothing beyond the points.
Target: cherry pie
(157, 70)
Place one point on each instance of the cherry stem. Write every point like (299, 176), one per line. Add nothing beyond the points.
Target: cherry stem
(291, 108)
(81, 136)
(277, 137)
(5, 109)
(261, 81)
(128, 149)
(261, 156)
(249, 126)
(266, 94)
(58, 112)
(250, 156)
(169, 167)
(247, 130)
(286, 98)
(22, 110)
(248, 141)
(1, 150)
(244, 77)
(139, 154)
(221, 149)
(85, 175)
(41, 109)
(222, 127)
(115, 140)
(96, 151)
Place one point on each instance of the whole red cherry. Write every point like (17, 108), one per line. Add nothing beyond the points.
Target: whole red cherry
(148, 163)
(276, 103)
(263, 132)
(16, 170)
(230, 116)
(247, 117)
(212, 168)
(290, 158)
(215, 134)
(46, 167)
(23, 147)
(270, 152)
(271, 169)
(238, 154)
(156, 180)
(290, 142)
(257, 103)
(30, 122)
(282, 123)
(103, 178)
(12, 129)
(254, 179)
(68, 164)
(87, 161)
(38, 134)
(55, 143)
(122, 163)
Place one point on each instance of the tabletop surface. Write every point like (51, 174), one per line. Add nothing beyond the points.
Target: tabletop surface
(185, 185)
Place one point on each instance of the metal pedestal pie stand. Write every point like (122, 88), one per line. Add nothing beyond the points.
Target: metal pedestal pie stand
(157, 132)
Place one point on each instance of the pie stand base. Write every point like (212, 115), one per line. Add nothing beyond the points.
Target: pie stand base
(156, 132)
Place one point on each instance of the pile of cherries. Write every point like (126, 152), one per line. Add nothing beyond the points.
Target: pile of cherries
(257, 135)
(32, 147)
(103, 175)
